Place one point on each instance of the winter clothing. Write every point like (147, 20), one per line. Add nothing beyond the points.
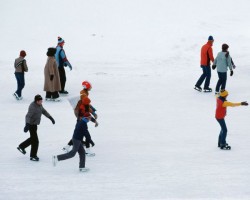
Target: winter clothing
(222, 61)
(81, 130)
(220, 113)
(60, 40)
(206, 58)
(211, 38)
(62, 62)
(51, 86)
(33, 118)
(20, 67)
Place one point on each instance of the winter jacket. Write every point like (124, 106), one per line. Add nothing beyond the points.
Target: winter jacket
(207, 54)
(222, 62)
(221, 107)
(33, 117)
(81, 130)
(51, 69)
(20, 65)
(61, 58)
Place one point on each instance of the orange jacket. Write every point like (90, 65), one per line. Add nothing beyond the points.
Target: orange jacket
(207, 54)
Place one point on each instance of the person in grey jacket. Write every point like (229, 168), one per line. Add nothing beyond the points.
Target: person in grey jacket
(33, 118)
(223, 61)
(20, 67)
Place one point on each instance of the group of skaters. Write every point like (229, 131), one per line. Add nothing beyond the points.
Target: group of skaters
(55, 80)
(54, 72)
(222, 62)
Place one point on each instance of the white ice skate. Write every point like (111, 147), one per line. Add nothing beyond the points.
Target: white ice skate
(89, 153)
(84, 169)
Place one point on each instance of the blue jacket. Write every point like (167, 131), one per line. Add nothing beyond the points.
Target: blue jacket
(222, 62)
(81, 130)
(61, 58)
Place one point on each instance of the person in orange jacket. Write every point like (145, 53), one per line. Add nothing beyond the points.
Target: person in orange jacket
(206, 58)
(220, 113)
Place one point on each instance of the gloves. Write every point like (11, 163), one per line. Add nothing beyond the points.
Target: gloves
(234, 66)
(231, 73)
(96, 124)
(52, 120)
(95, 115)
(51, 77)
(26, 128)
(213, 66)
(244, 103)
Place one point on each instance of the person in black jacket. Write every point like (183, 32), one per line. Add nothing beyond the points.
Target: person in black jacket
(81, 130)
(33, 119)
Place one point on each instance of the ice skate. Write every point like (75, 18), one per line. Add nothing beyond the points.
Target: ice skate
(35, 158)
(84, 169)
(225, 147)
(198, 88)
(21, 150)
(207, 90)
(89, 153)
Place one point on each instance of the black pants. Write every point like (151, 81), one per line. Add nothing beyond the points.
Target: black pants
(221, 84)
(52, 95)
(86, 143)
(62, 77)
(32, 140)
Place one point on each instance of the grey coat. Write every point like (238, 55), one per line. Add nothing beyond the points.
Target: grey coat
(20, 65)
(34, 114)
(222, 62)
(51, 69)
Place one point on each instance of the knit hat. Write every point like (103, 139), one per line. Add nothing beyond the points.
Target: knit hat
(22, 53)
(225, 47)
(60, 40)
(38, 97)
(223, 93)
(211, 38)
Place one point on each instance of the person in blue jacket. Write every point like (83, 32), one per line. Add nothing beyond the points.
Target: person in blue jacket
(81, 130)
(62, 62)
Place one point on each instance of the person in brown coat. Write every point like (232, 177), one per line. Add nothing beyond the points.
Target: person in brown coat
(20, 67)
(52, 84)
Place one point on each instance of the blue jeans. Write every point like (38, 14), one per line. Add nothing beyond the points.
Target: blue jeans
(223, 132)
(221, 84)
(206, 75)
(20, 82)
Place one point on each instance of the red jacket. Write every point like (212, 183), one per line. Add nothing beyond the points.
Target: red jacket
(220, 110)
(207, 54)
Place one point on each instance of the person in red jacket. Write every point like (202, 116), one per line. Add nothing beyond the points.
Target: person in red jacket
(221, 110)
(206, 58)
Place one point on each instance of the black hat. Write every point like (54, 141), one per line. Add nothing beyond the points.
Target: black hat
(38, 97)
(51, 51)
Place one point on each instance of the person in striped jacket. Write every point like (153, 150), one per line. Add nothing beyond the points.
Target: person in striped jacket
(220, 113)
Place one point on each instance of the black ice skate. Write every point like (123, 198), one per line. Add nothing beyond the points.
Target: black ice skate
(225, 147)
(34, 158)
(21, 150)
(207, 90)
(198, 88)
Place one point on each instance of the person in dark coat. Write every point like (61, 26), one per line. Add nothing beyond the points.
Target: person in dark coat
(33, 118)
(52, 83)
(20, 68)
(81, 130)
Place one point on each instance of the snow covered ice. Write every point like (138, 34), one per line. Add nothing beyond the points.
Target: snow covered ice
(157, 136)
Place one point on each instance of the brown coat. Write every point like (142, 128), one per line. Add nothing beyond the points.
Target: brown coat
(51, 69)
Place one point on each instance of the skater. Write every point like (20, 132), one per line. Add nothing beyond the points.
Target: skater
(62, 62)
(223, 61)
(81, 108)
(221, 109)
(52, 83)
(81, 130)
(20, 67)
(33, 119)
(206, 58)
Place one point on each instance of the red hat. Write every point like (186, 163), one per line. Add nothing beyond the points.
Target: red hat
(22, 53)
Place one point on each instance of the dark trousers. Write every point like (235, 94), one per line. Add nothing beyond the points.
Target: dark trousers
(221, 84)
(77, 147)
(52, 95)
(205, 75)
(32, 140)
(223, 132)
(20, 82)
(62, 77)
(86, 143)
